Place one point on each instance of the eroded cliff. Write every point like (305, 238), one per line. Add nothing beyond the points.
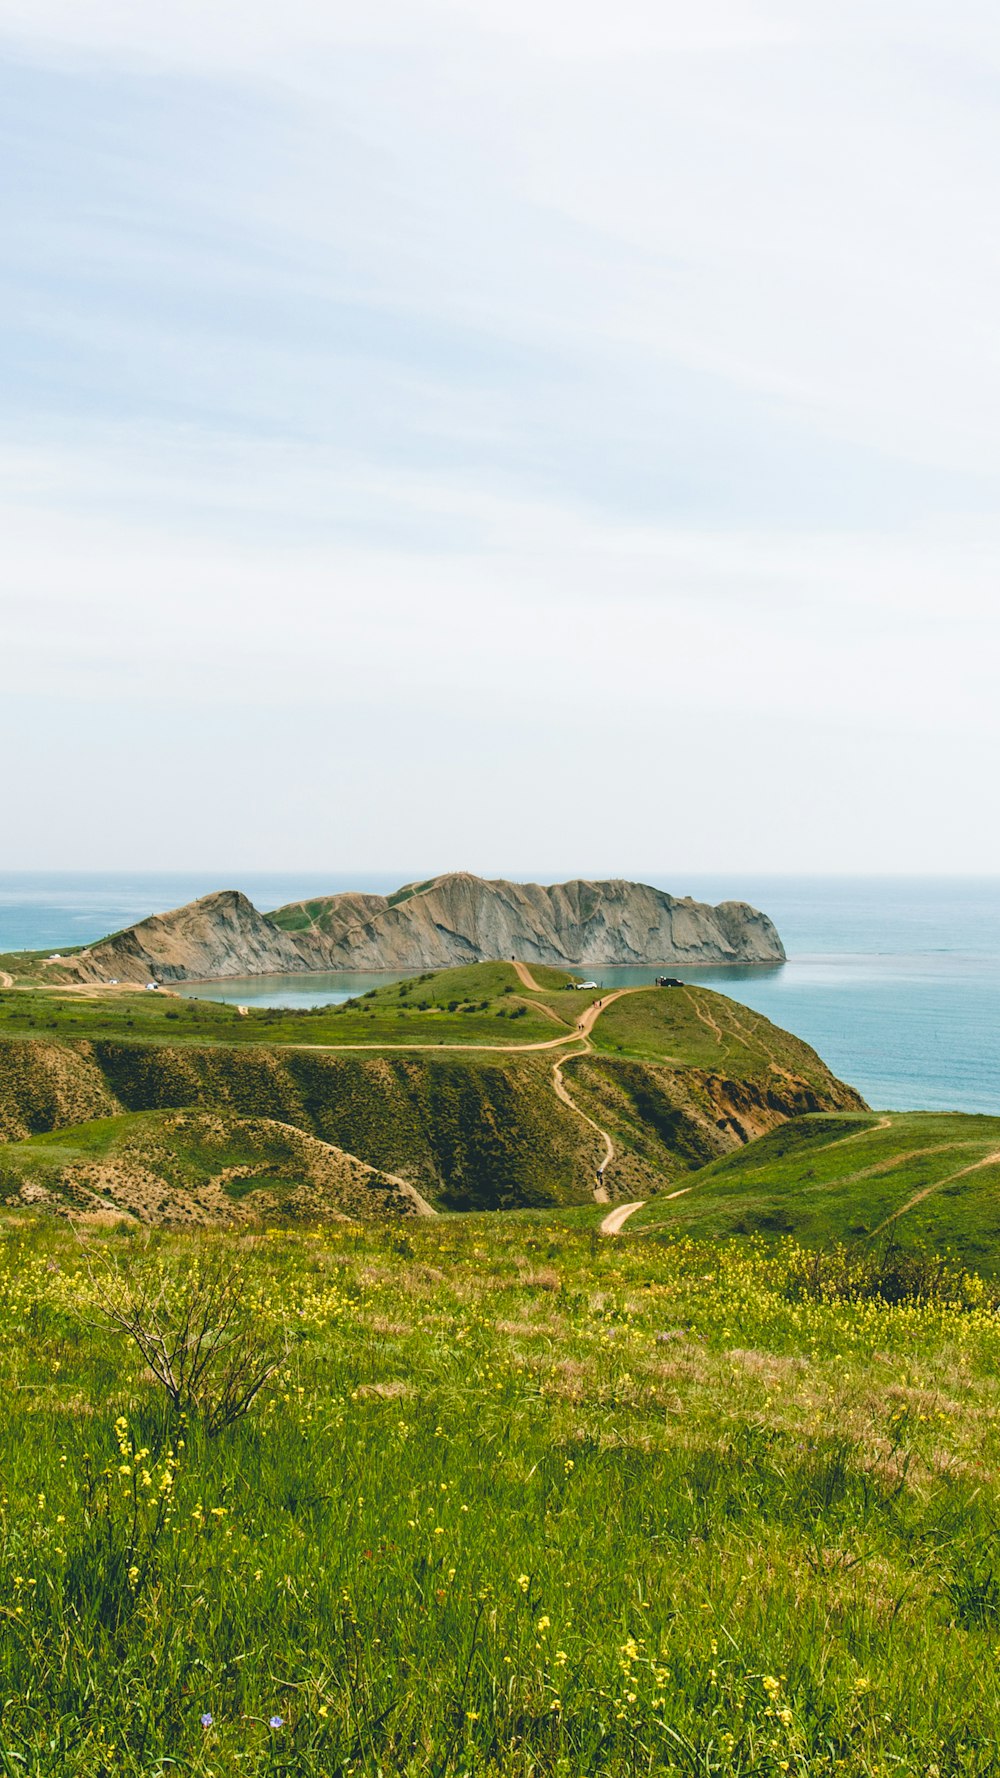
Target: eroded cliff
(452, 919)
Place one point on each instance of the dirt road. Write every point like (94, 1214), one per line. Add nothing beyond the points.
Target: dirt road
(585, 1025)
(601, 1194)
(613, 1224)
(525, 975)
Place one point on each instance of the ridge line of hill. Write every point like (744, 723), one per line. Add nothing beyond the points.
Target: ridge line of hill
(451, 920)
(469, 1124)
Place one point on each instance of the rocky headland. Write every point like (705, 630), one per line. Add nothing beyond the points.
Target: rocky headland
(448, 920)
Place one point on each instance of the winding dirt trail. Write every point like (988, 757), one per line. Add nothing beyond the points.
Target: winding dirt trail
(882, 1123)
(988, 1160)
(482, 1049)
(601, 1194)
(705, 1017)
(612, 1224)
(579, 1038)
(526, 977)
(580, 1033)
(585, 1025)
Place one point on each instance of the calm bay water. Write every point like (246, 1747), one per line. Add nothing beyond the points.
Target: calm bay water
(895, 981)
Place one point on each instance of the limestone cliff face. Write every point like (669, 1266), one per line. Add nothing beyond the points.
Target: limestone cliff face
(452, 919)
(460, 918)
(219, 935)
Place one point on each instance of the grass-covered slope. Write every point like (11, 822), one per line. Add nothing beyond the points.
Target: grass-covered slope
(932, 1179)
(468, 1131)
(435, 1079)
(683, 1076)
(484, 1003)
(521, 1506)
(196, 1167)
(701, 1029)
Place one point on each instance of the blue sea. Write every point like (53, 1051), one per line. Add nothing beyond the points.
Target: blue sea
(896, 981)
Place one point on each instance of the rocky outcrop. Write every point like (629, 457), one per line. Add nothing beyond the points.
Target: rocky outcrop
(449, 920)
(219, 935)
(460, 918)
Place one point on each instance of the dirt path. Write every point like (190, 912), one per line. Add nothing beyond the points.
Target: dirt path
(612, 1224)
(526, 976)
(581, 1033)
(580, 1036)
(705, 1017)
(601, 1195)
(883, 1123)
(482, 1049)
(988, 1160)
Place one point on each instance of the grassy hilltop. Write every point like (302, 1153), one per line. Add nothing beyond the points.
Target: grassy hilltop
(521, 1504)
(485, 1003)
(450, 1082)
(479, 1090)
(930, 1180)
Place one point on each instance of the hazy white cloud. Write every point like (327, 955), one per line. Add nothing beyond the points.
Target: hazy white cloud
(423, 391)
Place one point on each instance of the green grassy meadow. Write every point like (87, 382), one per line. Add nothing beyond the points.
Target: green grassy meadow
(929, 1180)
(522, 1501)
(445, 1079)
(484, 1003)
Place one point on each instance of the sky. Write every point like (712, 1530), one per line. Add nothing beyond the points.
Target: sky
(528, 438)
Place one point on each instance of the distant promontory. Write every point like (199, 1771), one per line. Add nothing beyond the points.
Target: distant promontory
(447, 920)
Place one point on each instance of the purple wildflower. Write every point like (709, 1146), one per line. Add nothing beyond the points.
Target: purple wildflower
(276, 1722)
(206, 1719)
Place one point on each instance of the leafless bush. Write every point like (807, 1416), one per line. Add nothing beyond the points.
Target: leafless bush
(198, 1328)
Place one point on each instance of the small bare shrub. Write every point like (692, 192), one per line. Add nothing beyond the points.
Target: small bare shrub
(198, 1329)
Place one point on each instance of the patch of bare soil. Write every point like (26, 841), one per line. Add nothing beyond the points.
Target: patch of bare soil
(179, 1171)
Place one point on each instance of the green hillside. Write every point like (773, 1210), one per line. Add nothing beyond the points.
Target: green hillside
(483, 1003)
(703, 1029)
(932, 1179)
(472, 1124)
(475, 1131)
(195, 1167)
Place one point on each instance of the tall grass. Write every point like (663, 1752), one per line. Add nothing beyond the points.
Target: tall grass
(519, 1504)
